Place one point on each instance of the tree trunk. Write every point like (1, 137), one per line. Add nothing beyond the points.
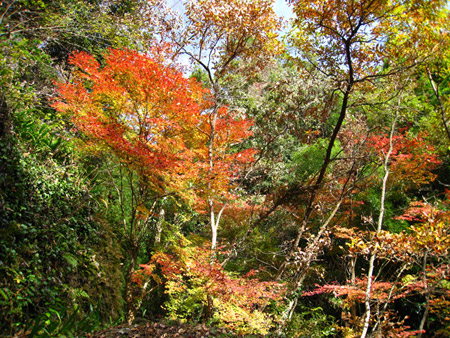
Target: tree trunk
(214, 225)
(129, 286)
(437, 95)
(367, 313)
(159, 226)
(353, 281)
(312, 251)
(214, 222)
(427, 295)
(5, 125)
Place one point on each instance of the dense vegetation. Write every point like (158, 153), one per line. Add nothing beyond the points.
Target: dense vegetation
(226, 167)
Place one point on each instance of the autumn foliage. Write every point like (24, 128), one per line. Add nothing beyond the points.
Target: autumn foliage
(287, 178)
(219, 179)
(155, 121)
(418, 259)
(157, 124)
(412, 160)
(199, 287)
(140, 110)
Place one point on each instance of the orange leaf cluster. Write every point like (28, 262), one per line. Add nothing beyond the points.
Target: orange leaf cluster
(141, 111)
(154, 120)
(411, 161)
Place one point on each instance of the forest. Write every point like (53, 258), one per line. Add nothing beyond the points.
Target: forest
(210, 165)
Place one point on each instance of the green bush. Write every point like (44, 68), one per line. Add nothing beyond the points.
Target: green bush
(312, 323)
(54, 253)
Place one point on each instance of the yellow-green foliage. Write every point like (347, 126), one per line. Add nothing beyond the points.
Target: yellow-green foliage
(199, 288)
(242, 320)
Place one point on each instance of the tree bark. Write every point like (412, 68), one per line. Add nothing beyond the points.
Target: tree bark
(159, 225)
(5, 125)
(129, 286)
(436, 93)
(427, 295)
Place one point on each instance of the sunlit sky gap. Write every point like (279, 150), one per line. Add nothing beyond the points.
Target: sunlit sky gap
(281, 7)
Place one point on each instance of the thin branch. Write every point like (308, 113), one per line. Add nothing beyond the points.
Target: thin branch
(6, 11)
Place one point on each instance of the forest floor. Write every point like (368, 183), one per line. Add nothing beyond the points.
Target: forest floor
(161, 330)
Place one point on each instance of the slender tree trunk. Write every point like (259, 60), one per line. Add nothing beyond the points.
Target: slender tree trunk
(377, 326)
(213, 224)
(213, 221)
(303, 270)
(367, 313)
(353, 281)
(159, 226)
(312, 251)
(5, 125)
(427, 295)
(439, 99)
(387, 157)
(129, 286)
(318, 184)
